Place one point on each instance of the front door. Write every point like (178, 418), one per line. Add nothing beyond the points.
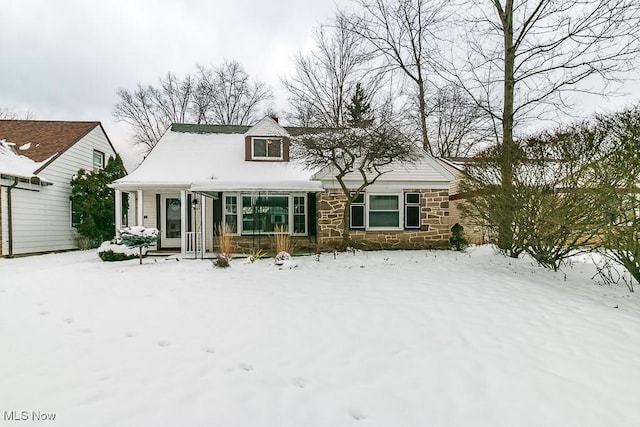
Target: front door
(170, 223)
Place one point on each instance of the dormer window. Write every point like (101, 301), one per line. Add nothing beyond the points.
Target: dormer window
(266, 148)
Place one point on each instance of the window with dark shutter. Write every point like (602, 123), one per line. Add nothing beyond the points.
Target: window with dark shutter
(412, 210)
(357, 212)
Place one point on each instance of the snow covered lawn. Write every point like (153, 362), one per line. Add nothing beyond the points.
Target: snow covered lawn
(417, 338)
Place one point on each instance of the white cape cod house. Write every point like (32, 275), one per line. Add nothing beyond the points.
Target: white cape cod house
(199, 177)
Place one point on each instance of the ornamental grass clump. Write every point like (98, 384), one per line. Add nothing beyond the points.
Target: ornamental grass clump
(224, 241)
(282, 241)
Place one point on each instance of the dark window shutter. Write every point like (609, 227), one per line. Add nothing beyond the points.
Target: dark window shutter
(356, 216)
(247, 148)
(286, 143)
(158, 208)
(412, 217)
(217, 212)
(311, 213)
(189, 213)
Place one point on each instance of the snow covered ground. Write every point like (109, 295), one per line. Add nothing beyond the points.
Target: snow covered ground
(418, 338)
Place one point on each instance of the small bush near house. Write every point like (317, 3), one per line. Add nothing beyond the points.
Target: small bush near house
(457, 239)
(115, 256)
(256, 254)
(285, 261)
(109, 251)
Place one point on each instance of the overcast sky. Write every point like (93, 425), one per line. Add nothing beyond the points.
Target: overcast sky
(65, 59)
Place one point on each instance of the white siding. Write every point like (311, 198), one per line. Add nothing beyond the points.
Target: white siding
(150, 213)
(3, 219)
(149, 209)
(42, 220)
(425, 173)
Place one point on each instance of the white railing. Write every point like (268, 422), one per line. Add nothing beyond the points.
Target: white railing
(193, 242)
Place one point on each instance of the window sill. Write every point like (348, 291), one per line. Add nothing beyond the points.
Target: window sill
(267, 159)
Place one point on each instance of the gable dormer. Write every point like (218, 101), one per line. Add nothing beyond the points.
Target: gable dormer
(267, 141)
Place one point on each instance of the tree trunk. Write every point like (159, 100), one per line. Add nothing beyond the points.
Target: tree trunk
(426, 145)
(346, 237)
(140, 249)
(508, 149)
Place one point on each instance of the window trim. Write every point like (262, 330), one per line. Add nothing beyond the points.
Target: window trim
(74, 225)
(305, 214)
(103, 158)
(290, 206)
(368, 211)
(238, 197)
(266, 157)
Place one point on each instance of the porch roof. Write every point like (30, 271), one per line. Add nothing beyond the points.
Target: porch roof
(285, 186)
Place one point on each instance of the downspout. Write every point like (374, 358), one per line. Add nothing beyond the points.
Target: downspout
(10, 216)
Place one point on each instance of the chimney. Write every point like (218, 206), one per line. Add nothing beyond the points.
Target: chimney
(274, 117)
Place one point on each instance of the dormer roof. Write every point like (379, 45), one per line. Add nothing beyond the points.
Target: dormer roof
(267, 127)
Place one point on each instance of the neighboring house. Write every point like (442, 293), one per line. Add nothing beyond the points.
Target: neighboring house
(37, 161)
(474, 233)
(199, 177)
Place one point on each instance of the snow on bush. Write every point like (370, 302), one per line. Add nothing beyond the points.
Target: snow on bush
(140, 231)
(118, 248)
(284, 261)
(139, 237)
(109, 251)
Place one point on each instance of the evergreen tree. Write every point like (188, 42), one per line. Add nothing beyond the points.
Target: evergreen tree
(359, 109)
(95, 201)
(139, 237)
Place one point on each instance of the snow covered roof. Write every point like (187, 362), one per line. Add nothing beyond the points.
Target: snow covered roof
(213, 158)
(43, 140)
(425, 170)
(267, 127)
(16, 165)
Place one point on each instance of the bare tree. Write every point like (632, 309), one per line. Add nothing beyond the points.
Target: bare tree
(325, 78)
(223, 95)
(616, 180)
(7, 113)
(525, 56)
(459, 126)
(227, 94)
(406, 35)
(552, 210)
(364, 152)
(151, 110)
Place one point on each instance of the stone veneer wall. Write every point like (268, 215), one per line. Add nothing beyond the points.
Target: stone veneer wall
(244, 244)
(434, 233)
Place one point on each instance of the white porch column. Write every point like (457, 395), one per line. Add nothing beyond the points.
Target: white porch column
(183, 221)
(203, 222)
(139, 206)
(118, 196)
